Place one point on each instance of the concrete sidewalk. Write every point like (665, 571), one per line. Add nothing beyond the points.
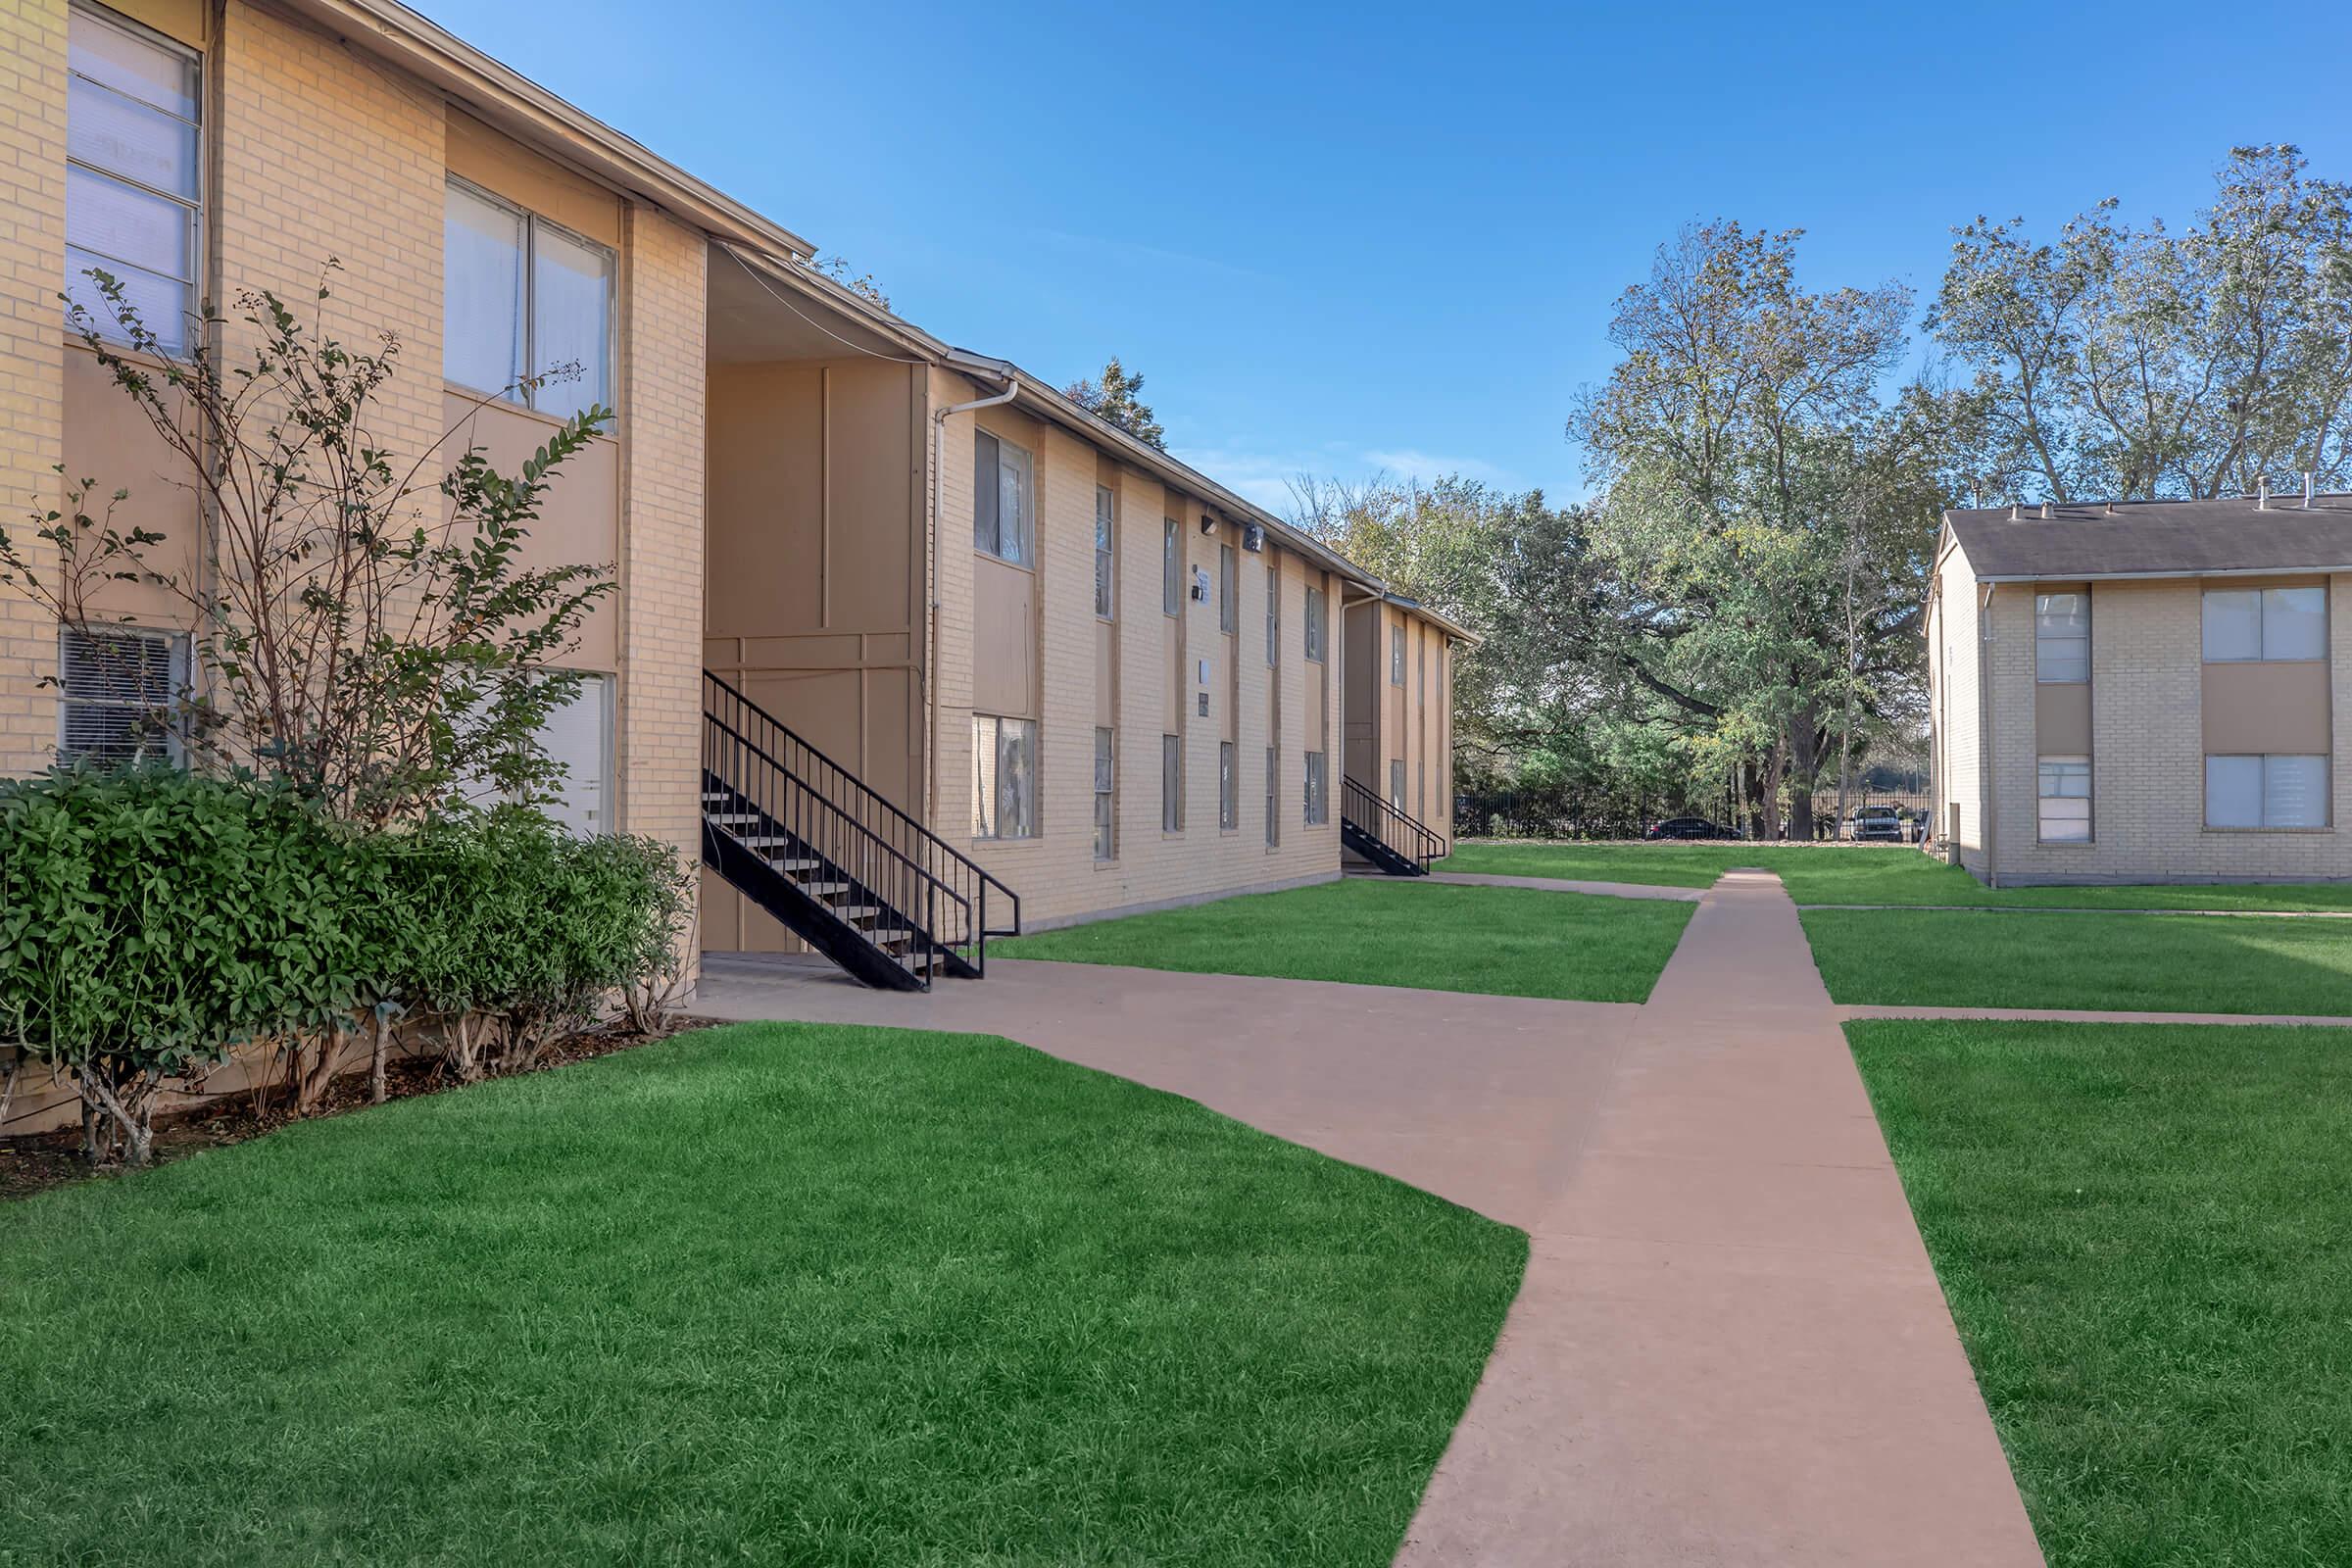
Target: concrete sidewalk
(1561, 884)
(1730, 1348)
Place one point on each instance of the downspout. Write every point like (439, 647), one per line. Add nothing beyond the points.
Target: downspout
(939, 424)
(1986, 801)
(1374, 596)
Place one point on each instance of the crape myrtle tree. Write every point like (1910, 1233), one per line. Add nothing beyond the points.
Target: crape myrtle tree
(2130, 361)
(363, 628)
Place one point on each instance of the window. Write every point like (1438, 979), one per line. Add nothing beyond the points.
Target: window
(523, 300)
(2266, 792)
(2245, 625)
(1318, 789)
(1273, 608)
(1001, 499)
(1171, 784)
(1229, 787)
(1003, 778)
(1397, 654)
(1315, 624)
(579, 736)
(1103, 532)
(118, 694)
(2066, 800)
(1396, 784)
(134, 187)
(1273, 795)
(2061, 638)
(1171, 568)
(1106, 816)
(1229, 590)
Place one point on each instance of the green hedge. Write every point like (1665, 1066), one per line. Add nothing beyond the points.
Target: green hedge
(153, 921)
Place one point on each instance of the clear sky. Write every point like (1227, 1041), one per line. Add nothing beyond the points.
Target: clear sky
(1353, 238)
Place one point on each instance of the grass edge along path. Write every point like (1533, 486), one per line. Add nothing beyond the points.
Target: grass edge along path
(2140, 1232)
(1868, 874)
(1432, 936)
(772, 1291)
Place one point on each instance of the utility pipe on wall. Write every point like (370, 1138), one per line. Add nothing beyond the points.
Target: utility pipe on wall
(939, 426)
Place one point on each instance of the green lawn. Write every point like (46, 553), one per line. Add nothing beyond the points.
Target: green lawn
(1512, 942)
(1859, 873)
(770, 1294)
(2146, 1236)
(2133, 962)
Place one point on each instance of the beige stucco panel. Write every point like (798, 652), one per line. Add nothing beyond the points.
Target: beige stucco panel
(2275, 707)
(505, 167)
(109, 441)
(579, 521)
(2062, 718)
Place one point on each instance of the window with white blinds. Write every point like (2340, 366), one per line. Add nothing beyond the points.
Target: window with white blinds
(578, 737)
(1107, 779)
(1319, 789)
(134, 190)
(1105, 532)
(118, 695)
(1315, 624)
(523, 300)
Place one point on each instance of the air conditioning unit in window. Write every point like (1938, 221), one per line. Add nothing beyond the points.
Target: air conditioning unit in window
(1253, 538)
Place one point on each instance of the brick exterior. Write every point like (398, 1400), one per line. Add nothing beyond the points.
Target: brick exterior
(2148, 742)
(33, 72)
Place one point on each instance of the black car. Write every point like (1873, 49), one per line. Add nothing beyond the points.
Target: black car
(1690, 827)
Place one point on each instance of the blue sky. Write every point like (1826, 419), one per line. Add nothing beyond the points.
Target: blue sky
(1345, 239)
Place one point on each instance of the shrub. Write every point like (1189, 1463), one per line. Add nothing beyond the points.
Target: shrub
(151, 921)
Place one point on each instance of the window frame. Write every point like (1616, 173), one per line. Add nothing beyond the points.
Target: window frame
(1229, 590)
(2071, 766)
(1171, 783)
(1106, 795)
(1397, 656)
(180, 658)
(1026, 560)
(176, 340)
(1315, 633)
(1274, 796)
(1273, 608)
(2042, 665)
(2261, 596)
(532, 222)
(991, 829)
(2262, 791)
(1396, 785)
(1106, 552)
(1229, 787)
(1316, 783)
(1171, 568)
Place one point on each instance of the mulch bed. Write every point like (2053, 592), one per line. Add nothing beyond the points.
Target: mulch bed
(35, 1162)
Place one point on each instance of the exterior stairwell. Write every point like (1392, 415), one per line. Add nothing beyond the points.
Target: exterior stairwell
(1384, 837)
(840, 868)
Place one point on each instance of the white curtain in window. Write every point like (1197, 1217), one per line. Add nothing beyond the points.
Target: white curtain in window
(482, 293)
(579, 736)
(2294, 792)
(1013, 504)
(2294, 623)
(2233, 792)
(571, 291)
(2232, 624)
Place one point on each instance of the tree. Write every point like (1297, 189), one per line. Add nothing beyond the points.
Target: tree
(2135, 362)
(1114, 399)
(836, 268)
(1752, 484)
(358, 629)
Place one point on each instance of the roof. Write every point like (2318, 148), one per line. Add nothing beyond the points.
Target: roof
(1417, 608)
(512, 101)
(2233, 537)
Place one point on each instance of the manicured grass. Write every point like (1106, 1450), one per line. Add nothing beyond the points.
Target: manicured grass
(1512, 942)
(2131, 962)
(774, 1294)
(1865, 873)
(2142, 1233)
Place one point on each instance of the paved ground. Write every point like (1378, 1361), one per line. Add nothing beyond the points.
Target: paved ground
(1729, 1349)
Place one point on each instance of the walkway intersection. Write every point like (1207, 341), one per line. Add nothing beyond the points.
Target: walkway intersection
(1729, 1349)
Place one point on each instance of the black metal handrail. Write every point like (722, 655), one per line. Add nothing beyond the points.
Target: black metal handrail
(1408, 838)
(826, 808)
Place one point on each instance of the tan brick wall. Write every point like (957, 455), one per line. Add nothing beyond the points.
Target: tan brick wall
(33, 263)
(2147, 750)
(1056, 874)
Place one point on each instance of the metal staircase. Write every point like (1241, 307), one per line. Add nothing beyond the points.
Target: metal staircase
(839, 866)
(1383, 835)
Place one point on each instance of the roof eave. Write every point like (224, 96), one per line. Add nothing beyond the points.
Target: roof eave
(2166, 575)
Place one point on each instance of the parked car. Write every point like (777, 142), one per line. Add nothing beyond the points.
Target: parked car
(1690, 827)
(1875, 823)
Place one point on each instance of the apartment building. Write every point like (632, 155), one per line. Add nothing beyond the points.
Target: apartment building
(2142, 691)
(907, 646)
